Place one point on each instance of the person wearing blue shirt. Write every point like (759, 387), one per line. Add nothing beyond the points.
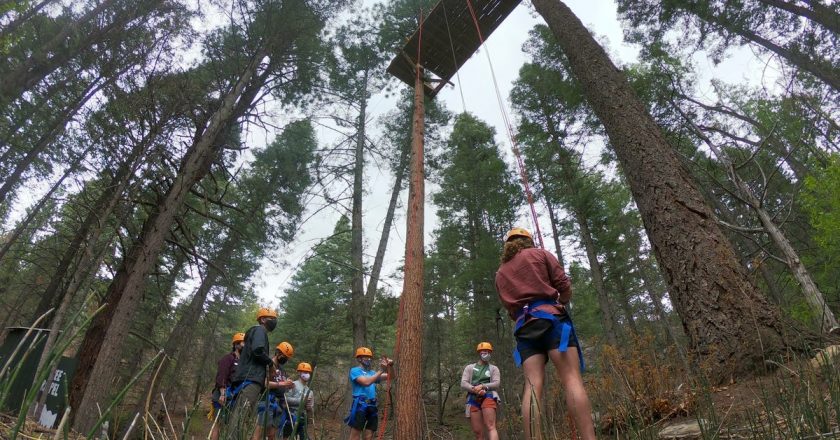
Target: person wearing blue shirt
(363, 415)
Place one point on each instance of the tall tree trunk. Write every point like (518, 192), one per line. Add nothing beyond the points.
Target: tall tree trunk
(183, 331)
(379, 259)
(655, 298)
(100, 211)
(552, 217)
(99, 353)
(409, 346)
(722, 312)
(818, 13)
(358, 309)
(46, 139)
(821, 69)
(607, 316)
(813, 296)
(626, 307)
(33, 212)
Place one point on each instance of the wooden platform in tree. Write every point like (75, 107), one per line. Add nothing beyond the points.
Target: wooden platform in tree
(449, 39)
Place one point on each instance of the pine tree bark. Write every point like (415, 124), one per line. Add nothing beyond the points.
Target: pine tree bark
(409, 346)
(722, 312)
(100, 210)
(183, 331)
(818, 13)
(813, 296)
(358, 304)
(99, 353)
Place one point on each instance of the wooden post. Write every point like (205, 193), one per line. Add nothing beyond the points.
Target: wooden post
(409, 349)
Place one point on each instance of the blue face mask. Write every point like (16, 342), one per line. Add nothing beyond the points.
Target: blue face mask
(366, 362)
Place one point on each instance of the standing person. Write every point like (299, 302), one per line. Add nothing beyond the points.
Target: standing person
(535, 290)
(364, 415)
(294, 412)
(270, 409)
(481, 380)
(224, 378)
(250, 378)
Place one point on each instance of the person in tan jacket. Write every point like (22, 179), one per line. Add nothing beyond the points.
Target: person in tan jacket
(481, 380)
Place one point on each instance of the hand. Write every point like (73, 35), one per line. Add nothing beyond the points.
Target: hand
(482, 392)
(222, 398)
(384, 363)
(477, 389)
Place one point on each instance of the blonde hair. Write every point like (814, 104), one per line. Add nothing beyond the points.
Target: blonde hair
(514, 245)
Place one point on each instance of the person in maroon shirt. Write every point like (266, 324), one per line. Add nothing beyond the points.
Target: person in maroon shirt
(535, 290)
(224, 375)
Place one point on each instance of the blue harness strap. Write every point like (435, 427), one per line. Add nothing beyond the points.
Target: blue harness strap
(273, 404)
(367, 406)
(562, 329)
(476, 400)
(231, 393)
(287, 419)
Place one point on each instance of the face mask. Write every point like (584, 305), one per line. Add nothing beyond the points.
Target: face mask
(239, 347)
(270, 324)
(282, 360)
(366, 363)
(304, 376)
(485, 357)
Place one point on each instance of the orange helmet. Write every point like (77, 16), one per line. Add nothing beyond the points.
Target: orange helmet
(484, 346)
(517, 232)
(265, 312)
(286, 349)
(304, 367)
(238, 337)
(364, 351)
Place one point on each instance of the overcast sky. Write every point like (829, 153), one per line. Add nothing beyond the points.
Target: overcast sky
(505, 47)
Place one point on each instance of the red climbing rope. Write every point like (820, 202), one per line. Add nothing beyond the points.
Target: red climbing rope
(519, 162)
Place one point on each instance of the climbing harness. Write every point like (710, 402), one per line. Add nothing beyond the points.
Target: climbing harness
(562, 329)
(366, 406)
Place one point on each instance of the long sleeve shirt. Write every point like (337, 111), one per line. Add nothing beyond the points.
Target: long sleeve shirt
(533, 274)
(295, 395)
(226, 368)
(492, 385)
(254, 357)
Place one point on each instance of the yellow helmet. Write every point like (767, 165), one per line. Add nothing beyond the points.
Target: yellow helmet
(286, 349)
(364, 351)
(238, 337)
(484, 346)
(304, 367)
(265, 312)
(518, 232)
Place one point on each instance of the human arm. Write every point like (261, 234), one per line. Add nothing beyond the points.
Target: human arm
(358, 376)
(558, 278)
(465, 379)
(260, 349)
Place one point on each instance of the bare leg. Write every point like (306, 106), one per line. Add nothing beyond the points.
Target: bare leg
(489, 415)
(477, 424)
(568, 368)
(534, 369)
(368, 434)
(355, 434)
